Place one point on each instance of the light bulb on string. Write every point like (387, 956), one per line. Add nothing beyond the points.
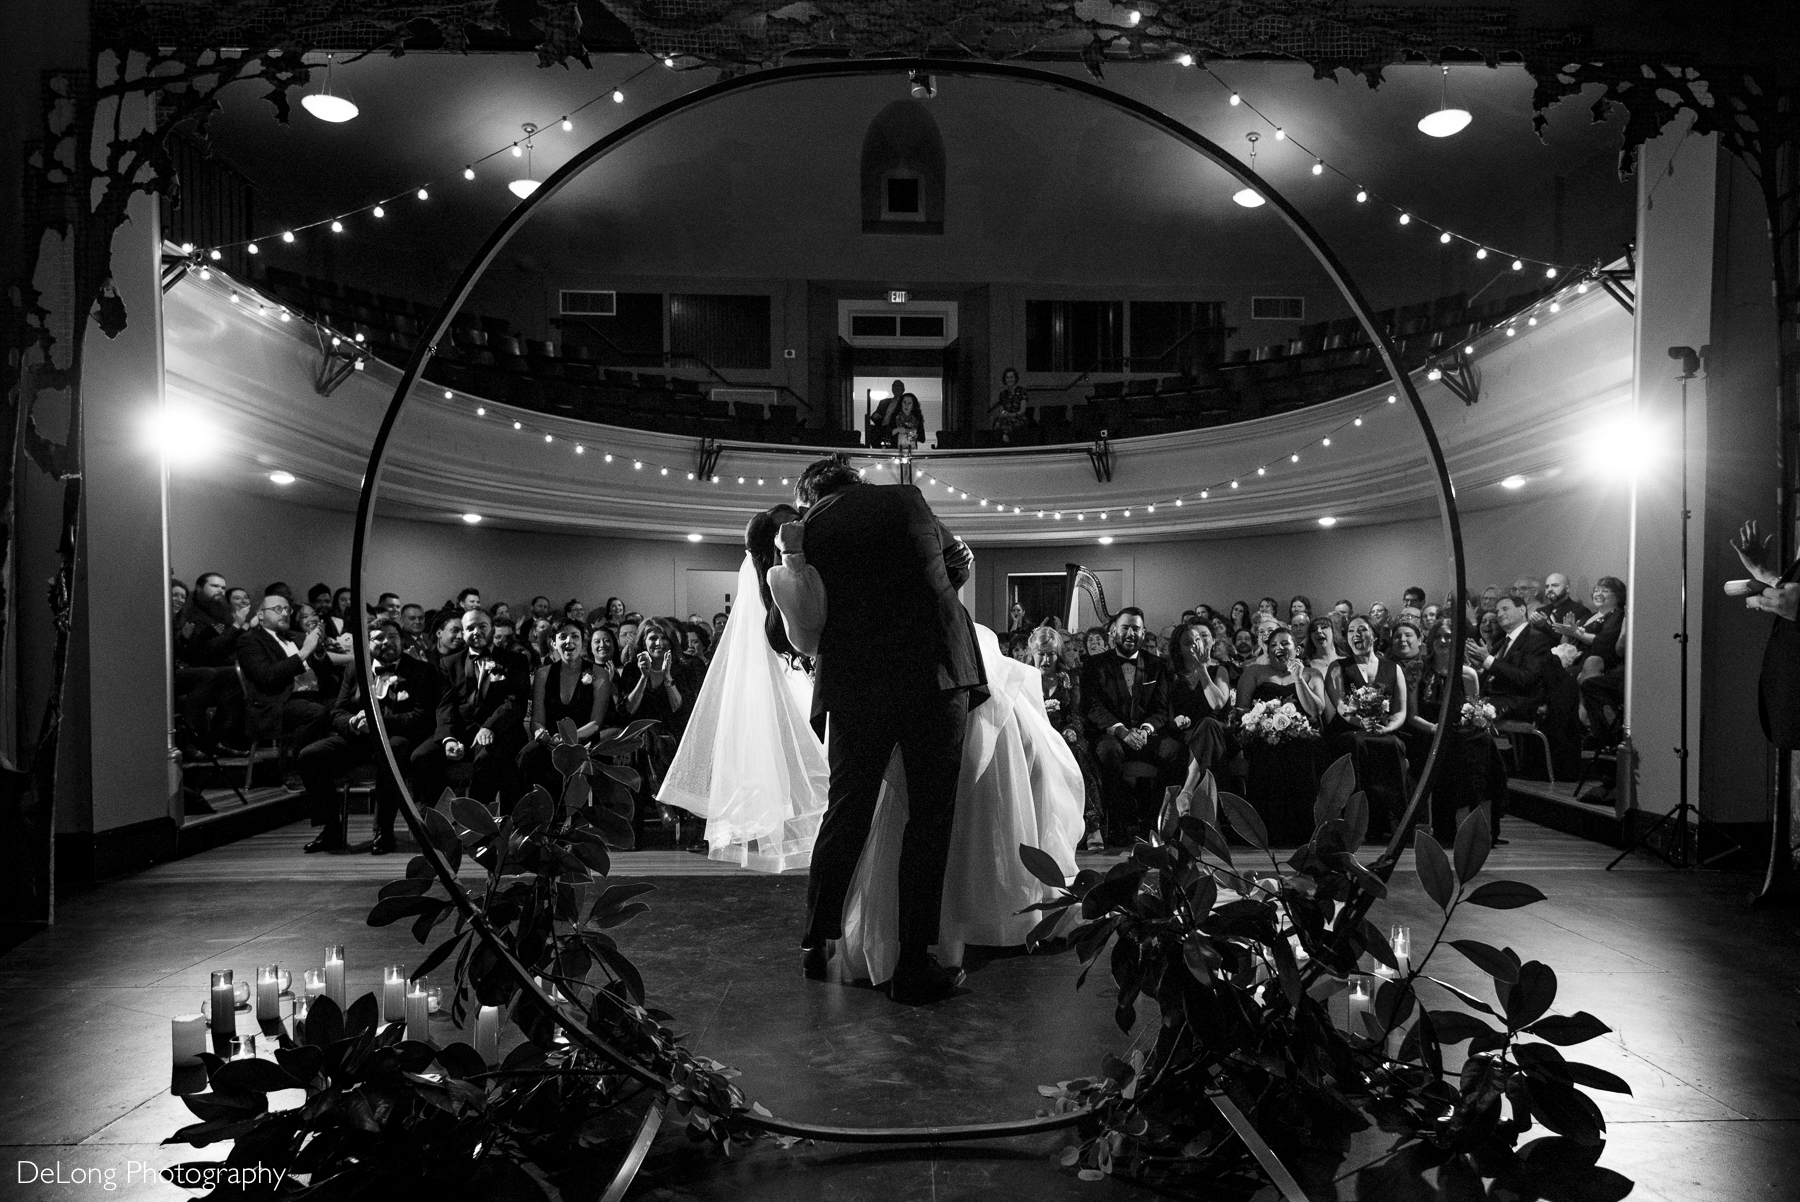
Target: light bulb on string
(422, 194)
(1446, 121)
(287, 236)
(580, 450)
(337, 227)
(1362, 195)
(468, 173)
(481, 411)
(1556, 306)
(1580, 288)
(1186, 60)
(1481, 253)
(378, 211)
(1549, 273)
(1406, 219)
(517, 151)
(1280, 134)
(206, 273)
(253, 249)
(1518, 265)
(1294, 458)
(567, 125)
(1318, 166)
(1444, 237)
(216, 255)
(1236, 100)
(618, 96)
(1262, 471)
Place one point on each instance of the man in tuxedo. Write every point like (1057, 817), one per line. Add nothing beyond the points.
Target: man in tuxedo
(206, 638)
(1126, 693)
(281, 694)
(1559, 607)
(896, 664)
(1523, 675)
(407, 691)
(480, 717)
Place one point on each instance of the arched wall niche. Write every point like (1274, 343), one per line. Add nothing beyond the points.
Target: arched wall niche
(903, 172)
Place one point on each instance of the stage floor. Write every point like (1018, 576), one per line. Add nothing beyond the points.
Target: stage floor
(1701, 992)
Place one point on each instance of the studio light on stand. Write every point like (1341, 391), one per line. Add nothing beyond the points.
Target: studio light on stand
(1682, 851)
(1250, 198)
(1446, 121)
(326, 107)
(526, 186)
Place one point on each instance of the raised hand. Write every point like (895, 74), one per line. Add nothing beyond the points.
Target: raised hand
(1752, 549)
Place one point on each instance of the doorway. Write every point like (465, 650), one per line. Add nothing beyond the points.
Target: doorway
(1042, 594)
(871, 390)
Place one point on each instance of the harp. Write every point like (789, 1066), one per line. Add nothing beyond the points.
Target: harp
(1077, 580)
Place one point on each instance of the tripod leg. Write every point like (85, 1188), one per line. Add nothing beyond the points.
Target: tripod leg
(1642, 839)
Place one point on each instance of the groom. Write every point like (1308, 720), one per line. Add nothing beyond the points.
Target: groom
(897, 665)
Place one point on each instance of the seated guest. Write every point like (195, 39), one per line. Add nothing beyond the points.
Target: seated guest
(1472, 774)
(1126, 695)
(1200, 699)
(540, 607)
(178, 595)
(480, 718)
(603, 652)
(205, 644)
(574, 611)
(615, 609)
(1531, 590)
(658, 683)
(415, 640)
(505, 635)
(1558, 606)
(243, 614)
(718, 625)
(1320, 648)
(501, 609)
(407, 691)
(1524, 674)
(537, 642)
(1599, 641)
(566, 687)
(338, 656)
(697, 643)
(1490, 597)
(1266, 608)
(1489, 630)
(628, 636)
(342, 609)
(1408, 651)
(1243, 649)
(281, 680)
(1239, 618)
(447, 640)
(1413, 598)
(469, 598)
(1062, 705)
(1366, 732)
(1095, 641)
(1015, 618)
(1299, 606)
(1283, 780)
(1384, 627)
(387, 605)
(319, 597)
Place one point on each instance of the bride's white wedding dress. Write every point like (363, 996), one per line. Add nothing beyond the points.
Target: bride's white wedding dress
(752, 767)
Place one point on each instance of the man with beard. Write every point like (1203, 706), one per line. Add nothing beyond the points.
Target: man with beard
(1558, 606)
(407, 692)
(281, 679)
(540, 607)
(205, 646)
(480, 719)
(1127, 699)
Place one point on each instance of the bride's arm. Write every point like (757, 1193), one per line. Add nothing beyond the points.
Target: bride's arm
(799, 594)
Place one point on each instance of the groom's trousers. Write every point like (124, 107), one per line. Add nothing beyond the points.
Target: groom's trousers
(929, 732)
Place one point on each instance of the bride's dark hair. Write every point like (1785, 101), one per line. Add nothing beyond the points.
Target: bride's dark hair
(759, 541)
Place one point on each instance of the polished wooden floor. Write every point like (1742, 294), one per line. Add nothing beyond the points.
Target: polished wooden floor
(1701, 991)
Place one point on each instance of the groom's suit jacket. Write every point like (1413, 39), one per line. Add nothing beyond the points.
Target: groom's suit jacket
(893, 624)
(496, 697)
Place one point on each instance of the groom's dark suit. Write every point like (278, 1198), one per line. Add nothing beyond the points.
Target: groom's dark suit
(897, 665)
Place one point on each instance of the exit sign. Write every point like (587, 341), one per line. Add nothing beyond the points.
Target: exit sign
(897, 296)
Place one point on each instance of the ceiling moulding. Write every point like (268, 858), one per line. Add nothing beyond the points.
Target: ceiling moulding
(1546, 393)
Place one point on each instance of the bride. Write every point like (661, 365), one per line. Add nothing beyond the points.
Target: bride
(751, 765)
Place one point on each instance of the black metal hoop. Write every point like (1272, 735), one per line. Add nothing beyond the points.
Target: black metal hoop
(553, 184)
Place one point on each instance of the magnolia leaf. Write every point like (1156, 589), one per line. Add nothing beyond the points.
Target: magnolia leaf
(625, 913)
(1467, 999)
(438, 955)
(534, 809)
(615, 896)
(1041, 865)
(1504, 895)
(1356, 820)
(1526, 1001)
(569, 758)
(1245, 820)
(1491, 960)
(407, 887)
(253, 1075)
(474, 815)
(1433, 868)
(614, 828)
(443, 835)
(1564, 1109)
(419, 868)
(1336, 784)
(1453, 1026)
(576, 792)
(1474, 839)
(1594, 1078)
(625, 774)
(392, 909)
(1566, 1030)
(1377, 944)
(1042, 930)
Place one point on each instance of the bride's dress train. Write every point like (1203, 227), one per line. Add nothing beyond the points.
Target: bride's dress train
(751, 765)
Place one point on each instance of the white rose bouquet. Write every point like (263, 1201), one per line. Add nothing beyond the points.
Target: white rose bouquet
(1276, 722)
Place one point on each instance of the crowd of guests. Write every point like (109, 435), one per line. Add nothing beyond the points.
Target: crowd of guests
(470, 691)
(476, 694)
(1149, 709)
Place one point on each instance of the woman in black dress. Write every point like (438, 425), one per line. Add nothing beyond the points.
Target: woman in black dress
(1200, 696)
(1366, 729)
(1471, 773)
(566, 687)
(1239, 618)
(1010, 414)
(1283, 778)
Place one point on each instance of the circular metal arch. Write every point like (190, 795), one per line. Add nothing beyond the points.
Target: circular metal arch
(852, 69)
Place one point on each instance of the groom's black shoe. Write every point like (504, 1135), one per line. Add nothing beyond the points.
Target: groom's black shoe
(921, 980)
(815, 960)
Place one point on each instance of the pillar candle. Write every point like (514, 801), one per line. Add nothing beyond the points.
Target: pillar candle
(297, 1024)
(188, 1035)
(1361, 1000)
(314, 982)
(222, 1003)
(334, 975)
(418, 1016)
(268, 993)
(393, 993)
(487, 1034)
(1400, 939)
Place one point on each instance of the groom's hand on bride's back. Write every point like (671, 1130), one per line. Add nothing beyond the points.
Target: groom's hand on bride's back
(791, 538)
(959, 561)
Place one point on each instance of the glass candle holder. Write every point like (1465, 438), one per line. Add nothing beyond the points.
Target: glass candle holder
(1359, 1000)
(313, 982)
(393, 993)
(222, 1004)
(418, 1010)
(434, 999)
(1400, 939)
(487, 1034)
(243, 1047)
(334, 974)
(268, 992)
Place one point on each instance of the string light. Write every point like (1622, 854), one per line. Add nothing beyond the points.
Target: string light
(618, 96)
(1362, 196)
(1406, 219)
(378, 211)
(1319, 167)
(337, 227)
(287, 235)
(423, 194)
(567, 125)
(253, 249)
(468, 173)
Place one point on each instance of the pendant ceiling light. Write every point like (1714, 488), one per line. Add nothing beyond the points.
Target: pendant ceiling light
(326, 107)
(525, 187)
(1250, 198)
(1446, 120)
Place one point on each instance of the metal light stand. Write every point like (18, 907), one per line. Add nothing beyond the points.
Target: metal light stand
(1683, 849)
